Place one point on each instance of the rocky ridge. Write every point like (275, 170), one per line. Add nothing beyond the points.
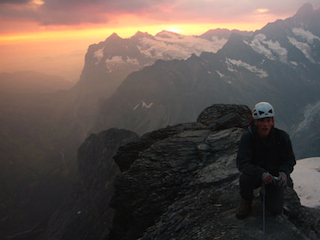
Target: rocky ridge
(181, 182)
(178, 182)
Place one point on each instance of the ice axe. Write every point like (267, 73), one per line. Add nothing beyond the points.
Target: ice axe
(263, 190)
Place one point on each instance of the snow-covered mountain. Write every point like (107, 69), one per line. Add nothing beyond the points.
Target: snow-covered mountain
(109, 62)
(165, 45)
(293, 41)
(279, 63)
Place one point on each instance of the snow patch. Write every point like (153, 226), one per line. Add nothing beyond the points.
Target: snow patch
(260, 72)
(300, 32)
(303, 47)
(177, 46)
(230, 67)
(114, 63)
(268, 48)
(143, 104)
(98, 55)
(260, 48)
(310, 113)
(133, 61)
(136, 106)
(306, 177)
(117, 62)
(277, 49)
(294, 63)
(220, 74)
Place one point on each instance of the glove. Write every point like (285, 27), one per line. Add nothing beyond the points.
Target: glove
(267, 178)
(282, 179)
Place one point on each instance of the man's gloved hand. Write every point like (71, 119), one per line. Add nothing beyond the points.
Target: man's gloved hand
(282, 179)
(267, 178)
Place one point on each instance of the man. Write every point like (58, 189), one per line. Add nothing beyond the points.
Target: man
(265, 156)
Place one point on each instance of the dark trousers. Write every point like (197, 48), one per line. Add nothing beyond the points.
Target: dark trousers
(274, 194)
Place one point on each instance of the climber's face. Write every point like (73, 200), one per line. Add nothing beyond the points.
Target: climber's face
(264, 126)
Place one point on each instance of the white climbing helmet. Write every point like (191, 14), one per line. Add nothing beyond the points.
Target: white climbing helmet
(263, 110)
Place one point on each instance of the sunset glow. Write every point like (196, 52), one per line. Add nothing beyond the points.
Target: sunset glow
(262, 10)
(57, 31)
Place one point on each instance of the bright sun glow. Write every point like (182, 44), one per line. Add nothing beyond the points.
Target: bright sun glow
(38, 2)
(262, 10)
(98, 34)
(173, 29)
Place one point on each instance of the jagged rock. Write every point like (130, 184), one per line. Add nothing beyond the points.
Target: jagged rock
(225, 116)
(181, 182)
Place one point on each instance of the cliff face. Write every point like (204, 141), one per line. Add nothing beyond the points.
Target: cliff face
(86, 214)
(181, 182)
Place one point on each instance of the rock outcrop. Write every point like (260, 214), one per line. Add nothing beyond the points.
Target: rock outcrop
(181, 182)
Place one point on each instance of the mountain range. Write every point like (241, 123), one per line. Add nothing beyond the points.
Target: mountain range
(278, 63)
(108, 63)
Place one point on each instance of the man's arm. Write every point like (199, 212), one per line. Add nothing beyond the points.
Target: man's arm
(287, 155)
(244, 157)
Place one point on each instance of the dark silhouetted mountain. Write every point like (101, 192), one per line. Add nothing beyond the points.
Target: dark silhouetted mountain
(87, 214)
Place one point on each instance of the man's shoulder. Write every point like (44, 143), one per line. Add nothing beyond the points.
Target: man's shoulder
(281, 135)
(248, 133)
(247, 137)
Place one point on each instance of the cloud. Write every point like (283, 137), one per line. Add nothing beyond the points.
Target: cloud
(88, 11)
(106, 6)
(15, 1)
(72, 12)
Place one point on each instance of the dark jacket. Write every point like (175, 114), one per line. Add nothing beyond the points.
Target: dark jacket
(273, 153)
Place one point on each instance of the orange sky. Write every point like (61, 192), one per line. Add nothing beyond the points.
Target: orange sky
(52, 36)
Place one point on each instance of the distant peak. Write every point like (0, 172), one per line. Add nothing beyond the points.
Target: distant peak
(114, 36)
(217, 30)
(142, 35)
(305, 10)
(165, 33)
(138, 33)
